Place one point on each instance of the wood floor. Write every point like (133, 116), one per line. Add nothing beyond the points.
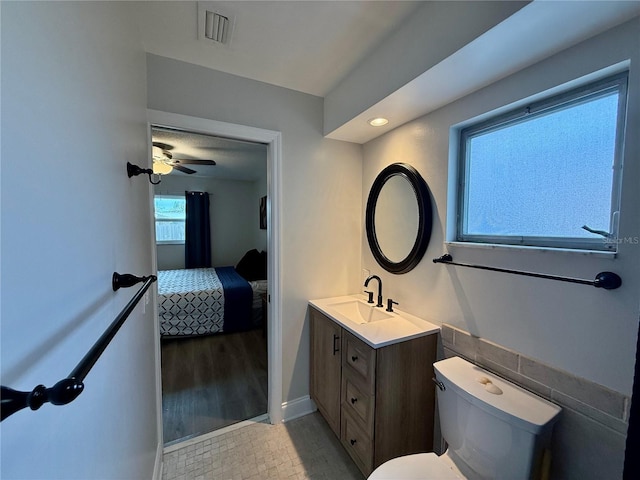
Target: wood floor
(211, 382)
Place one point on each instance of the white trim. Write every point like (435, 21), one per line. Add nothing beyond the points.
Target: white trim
(274, 233)
(298, 408)
(273, 139)
(524, 248)
(154, 313)
(158, 464)
(211, 127)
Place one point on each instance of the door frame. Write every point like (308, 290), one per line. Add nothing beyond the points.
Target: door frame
(273, 140)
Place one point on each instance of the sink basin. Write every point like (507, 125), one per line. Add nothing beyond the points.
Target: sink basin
(374, 326)
(360, 312)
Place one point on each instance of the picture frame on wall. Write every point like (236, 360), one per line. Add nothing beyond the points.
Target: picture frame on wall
(263, 213)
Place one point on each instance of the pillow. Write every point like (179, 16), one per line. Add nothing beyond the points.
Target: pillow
(253, 265)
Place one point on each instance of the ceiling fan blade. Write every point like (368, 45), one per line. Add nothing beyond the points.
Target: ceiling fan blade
(183, 169)
(192, 161)
(163, 146)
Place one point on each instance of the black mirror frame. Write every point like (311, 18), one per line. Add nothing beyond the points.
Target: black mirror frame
(425, 218)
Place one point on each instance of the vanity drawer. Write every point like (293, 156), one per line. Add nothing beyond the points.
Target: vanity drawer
(357, 443)
(359, 358)
(358, 401)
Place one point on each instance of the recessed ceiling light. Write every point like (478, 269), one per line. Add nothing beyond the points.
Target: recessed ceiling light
(378, 122)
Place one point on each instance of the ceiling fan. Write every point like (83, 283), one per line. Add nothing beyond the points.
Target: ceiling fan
(164, 161)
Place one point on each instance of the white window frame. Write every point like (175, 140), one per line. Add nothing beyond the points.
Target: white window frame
(575, 96)
(166, 242)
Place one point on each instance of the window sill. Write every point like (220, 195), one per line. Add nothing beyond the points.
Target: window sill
(522, 248)
(169, 243)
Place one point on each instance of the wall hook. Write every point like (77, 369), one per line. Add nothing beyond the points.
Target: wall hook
(134, 170)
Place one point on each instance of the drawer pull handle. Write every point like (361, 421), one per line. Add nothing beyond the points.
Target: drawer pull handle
(354, 400)
(336, 347)
(354, 358)
(352, 441)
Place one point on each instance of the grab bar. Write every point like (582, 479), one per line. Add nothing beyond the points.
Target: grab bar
(606, 280)
(68, 389)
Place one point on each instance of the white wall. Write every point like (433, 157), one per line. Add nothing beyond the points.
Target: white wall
(321, 189)
(73, 114)
(586, 331)
(233, 211)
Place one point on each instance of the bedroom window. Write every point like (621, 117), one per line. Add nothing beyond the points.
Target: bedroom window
(170, 216)
(547, 175)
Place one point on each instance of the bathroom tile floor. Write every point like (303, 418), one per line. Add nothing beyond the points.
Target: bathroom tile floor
(304, 448)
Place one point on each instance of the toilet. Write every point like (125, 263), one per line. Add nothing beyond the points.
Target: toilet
(493, 430)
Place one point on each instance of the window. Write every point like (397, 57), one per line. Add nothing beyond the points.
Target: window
(547, 175)
(170, 215)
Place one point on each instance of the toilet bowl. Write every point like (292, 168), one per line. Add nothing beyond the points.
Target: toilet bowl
(418, 467)
(493, 429)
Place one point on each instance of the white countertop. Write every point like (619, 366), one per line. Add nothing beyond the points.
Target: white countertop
(399, 328)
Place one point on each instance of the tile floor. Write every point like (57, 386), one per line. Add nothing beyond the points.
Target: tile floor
(304, 448)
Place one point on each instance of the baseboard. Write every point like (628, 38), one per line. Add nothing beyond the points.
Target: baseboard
(297, 408)
(157, 466)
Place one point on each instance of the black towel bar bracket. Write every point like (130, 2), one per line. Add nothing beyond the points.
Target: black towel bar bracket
(126, 280)
(606, 280)
(68, 389)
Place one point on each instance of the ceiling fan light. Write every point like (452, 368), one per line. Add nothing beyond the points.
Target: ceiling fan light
(157, 153)
(160, 168)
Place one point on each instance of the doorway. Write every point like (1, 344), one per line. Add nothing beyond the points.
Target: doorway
(218, 379)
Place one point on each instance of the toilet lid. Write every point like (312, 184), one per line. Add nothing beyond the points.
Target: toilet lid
(421, 466)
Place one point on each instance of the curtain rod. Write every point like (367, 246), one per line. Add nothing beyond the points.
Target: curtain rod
(606, 280)
(68, 389)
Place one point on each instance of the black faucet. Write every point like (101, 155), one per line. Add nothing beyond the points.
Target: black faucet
(366, 284)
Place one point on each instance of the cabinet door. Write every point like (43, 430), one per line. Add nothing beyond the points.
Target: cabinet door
(405, 399)
(325, 368)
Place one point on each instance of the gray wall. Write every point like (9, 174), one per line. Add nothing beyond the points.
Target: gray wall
(584, 332)
(320, 183)
(233, 211)
(73, 114)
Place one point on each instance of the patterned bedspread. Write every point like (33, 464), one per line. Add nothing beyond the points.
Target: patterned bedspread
(202, 301)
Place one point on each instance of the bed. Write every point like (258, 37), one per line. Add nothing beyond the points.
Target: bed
(204, 301)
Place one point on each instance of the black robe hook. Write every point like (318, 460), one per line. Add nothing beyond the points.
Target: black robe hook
(134, 170)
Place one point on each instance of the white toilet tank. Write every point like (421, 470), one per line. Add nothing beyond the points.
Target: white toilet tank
(493, 428)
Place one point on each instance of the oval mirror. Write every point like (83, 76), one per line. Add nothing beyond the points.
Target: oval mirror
(398, 218)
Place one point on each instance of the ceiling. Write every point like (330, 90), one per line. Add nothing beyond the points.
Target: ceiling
(508, 47)
(307, 46)
(311, 46)
(293, 44)
(236, 160)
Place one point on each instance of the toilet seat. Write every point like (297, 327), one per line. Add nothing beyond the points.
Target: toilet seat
(421, 466)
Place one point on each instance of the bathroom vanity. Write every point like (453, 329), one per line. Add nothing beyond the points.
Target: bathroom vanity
(371, 377)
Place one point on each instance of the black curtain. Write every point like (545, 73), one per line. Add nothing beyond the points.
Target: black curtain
(197, 244)
(632, 452)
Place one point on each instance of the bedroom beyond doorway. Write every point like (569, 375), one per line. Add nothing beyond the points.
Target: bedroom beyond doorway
(212, 316)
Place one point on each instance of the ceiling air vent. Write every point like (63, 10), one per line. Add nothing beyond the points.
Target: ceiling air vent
(214, 26)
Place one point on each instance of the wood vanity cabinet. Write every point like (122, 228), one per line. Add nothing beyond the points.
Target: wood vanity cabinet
(379, 402)
(326, 360)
